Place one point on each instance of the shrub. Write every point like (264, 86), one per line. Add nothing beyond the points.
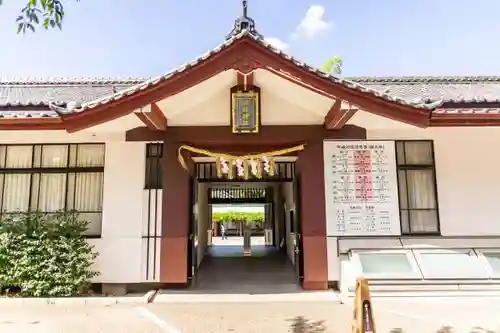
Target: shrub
(45, 254)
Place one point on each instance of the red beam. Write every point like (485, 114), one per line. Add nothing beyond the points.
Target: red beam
(334, 115)
(25, 124)
(464, 120)
(153, 118)
(244, 80)
(271, 136)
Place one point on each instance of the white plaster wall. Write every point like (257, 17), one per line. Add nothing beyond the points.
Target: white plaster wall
(282, 102)
(151, 226)
(333, 263)
(467, 182)
(33, 137)
(467, 186)
(122, 250)
(121, 244)
(286, 103)
(130, 215)
(151, 216)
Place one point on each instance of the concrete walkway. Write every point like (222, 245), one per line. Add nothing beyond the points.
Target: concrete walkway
(463, 315)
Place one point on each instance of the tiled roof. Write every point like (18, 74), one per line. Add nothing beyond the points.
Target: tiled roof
(449, 89)
(464, 111)
(456, 89)
(425, 92)
(77, 107)
(33, 92)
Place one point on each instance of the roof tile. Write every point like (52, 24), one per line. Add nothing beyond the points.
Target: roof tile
(413, 90)
(246, 33)
(468, 111)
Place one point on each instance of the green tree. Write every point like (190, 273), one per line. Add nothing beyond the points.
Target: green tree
(332, 66)
(47, 13)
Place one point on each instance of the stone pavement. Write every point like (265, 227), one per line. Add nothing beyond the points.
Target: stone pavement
(411, 316)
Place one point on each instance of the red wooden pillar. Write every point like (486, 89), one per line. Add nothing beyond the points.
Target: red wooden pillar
(175, 218)
(313, 216)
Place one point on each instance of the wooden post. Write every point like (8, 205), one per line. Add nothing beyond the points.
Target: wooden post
(363, 321)
(247, 239)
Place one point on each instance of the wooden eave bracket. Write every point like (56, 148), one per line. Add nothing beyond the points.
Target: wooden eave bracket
(152, 117)
(336, 118)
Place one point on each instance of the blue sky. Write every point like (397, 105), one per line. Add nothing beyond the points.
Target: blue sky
(149, 37)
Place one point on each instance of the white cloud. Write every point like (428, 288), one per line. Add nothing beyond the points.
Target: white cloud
(313, 23)
(277, 43)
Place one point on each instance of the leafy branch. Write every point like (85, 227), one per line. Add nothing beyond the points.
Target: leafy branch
(47, 13)
(333, 66)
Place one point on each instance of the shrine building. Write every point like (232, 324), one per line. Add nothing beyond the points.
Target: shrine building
(389, 178)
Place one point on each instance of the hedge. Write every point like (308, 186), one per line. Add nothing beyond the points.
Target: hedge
(45, 255)
(238, 217)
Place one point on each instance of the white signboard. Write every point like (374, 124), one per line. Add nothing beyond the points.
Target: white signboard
(361, 188)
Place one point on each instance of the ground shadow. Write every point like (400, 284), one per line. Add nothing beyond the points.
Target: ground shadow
(301, 324)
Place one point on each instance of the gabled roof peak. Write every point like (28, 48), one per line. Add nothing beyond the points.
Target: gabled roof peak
(244, 23)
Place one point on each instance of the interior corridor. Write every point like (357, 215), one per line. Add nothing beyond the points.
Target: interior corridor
(225, 269)
(221, 265)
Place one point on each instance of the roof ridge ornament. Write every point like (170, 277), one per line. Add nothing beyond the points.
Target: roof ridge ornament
(244, 23)
(71, 107)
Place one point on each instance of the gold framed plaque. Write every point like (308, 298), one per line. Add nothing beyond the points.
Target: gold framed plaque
(245, 112)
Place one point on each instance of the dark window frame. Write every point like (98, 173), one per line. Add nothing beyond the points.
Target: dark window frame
(153, 175)
(33, 171)
(407, 167)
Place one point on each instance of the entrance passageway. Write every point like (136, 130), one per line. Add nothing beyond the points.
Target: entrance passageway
(244, 235)
(226, 269)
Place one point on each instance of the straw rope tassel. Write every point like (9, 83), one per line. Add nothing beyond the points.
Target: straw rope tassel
(230, 172)
(246, 171)
(182, 162)
(272, 167)
(218, 167)
(259, 169)
(245, 158)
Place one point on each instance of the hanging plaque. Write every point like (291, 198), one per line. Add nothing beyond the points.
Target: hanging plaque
(245, 112)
